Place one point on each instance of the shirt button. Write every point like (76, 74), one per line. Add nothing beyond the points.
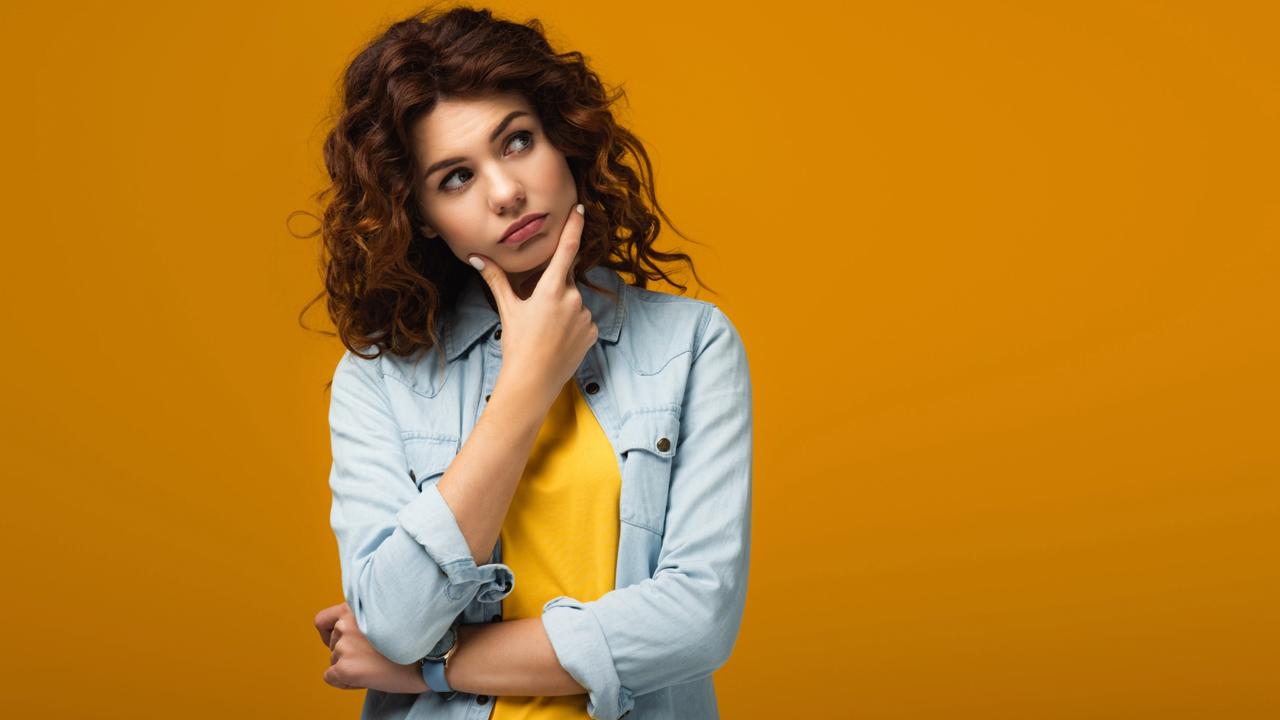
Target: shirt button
(664, 444)
(486, 398)
(497, 334)
(592, 388)
(482, 699)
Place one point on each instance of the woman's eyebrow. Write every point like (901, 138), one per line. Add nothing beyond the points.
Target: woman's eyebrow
(492, 136)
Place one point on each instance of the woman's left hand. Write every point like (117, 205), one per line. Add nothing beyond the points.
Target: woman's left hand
(355, 664)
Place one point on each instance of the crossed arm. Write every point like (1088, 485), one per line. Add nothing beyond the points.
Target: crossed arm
(505, 658)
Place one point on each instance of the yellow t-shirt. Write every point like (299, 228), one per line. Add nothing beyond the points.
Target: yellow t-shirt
(560, 535)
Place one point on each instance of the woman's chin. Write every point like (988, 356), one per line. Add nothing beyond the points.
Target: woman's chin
(522, 265)
(523, 281)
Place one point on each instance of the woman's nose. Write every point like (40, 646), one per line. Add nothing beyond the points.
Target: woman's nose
(506, 194)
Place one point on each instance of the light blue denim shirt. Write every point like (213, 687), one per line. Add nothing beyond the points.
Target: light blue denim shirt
(668, 382)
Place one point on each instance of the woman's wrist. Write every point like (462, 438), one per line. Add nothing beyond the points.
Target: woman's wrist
(524, 396)
(419, 683)
(462, 633)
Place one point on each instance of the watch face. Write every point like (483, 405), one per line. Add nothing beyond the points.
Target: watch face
(442, 647)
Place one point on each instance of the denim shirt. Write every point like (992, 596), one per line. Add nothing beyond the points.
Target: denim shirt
(668, 382)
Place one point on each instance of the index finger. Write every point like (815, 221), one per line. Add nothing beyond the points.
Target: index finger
(562, 261)
(325, 620)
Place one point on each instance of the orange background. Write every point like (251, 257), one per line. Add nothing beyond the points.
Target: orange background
(1006, 272)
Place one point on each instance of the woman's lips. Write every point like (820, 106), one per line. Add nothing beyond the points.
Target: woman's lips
(527, 231)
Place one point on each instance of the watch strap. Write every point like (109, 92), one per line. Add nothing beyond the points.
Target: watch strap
(433, 675)
(433, 666)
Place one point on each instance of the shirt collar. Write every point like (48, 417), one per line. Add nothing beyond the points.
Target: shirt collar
(472, 318)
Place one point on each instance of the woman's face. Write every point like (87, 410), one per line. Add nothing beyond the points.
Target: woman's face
(487, 163)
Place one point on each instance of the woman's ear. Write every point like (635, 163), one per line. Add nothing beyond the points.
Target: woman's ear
(429, 232)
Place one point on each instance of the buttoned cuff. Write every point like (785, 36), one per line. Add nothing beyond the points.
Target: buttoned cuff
(583, 651)
(429, 521)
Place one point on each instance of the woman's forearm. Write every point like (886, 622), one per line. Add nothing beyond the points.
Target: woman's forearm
(508, 658)
(479, 484)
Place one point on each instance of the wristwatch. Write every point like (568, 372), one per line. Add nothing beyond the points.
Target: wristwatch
(433, 665)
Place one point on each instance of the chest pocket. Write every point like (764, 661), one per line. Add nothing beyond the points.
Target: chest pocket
(647, 441)
(428, 457)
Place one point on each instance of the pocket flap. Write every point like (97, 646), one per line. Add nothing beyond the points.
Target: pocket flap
(429, 457)
(653, 430)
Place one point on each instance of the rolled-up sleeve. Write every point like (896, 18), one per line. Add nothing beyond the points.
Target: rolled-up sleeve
(406, 570)
(430, 522)
(680, 624)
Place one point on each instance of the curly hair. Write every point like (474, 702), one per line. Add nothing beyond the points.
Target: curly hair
(385, 282)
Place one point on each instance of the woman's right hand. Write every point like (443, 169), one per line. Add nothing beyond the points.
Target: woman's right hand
(545, 337)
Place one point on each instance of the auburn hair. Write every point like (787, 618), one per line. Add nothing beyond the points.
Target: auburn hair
(384, 281)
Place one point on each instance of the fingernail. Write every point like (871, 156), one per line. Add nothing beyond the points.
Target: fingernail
(476, 262)
(580, 209)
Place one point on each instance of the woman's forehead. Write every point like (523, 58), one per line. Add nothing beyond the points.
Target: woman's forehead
(458, 122)
(452, 110)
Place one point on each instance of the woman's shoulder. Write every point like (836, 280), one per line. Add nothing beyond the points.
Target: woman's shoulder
(675, 311)
(661, 326)
(421, 372)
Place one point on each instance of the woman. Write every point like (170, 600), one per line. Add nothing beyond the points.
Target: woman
(541, 472)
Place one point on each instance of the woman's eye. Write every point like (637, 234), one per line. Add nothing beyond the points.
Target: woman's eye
(523, 134)
(444, 184)
(528, 142)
